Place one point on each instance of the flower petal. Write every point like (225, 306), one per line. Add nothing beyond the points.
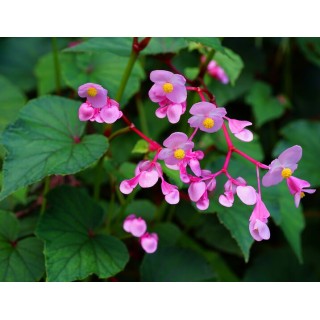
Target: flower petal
(290, 156)
(202, 108)
(178, 94)
(160, 76)
(148, 179)
(196, 190)
(174, 113)
(247, 195)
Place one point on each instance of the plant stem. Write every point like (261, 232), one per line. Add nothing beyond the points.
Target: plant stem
(119, 132)
(257, 163)
(126, 75)
(44, 194)
(204, 65)
(57, 72)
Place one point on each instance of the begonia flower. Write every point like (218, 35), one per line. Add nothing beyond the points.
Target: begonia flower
(96, 95)
(136, 226)
(171, 110)
(149, 242)
(237, 127)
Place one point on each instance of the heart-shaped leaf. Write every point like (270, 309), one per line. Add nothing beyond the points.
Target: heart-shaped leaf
(74, 247)
(47, 139)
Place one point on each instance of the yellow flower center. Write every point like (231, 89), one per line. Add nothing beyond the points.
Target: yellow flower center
(302, 194)
(179, 154)
(208, 123)
(92, 92)
(167, 87)
(286, 173)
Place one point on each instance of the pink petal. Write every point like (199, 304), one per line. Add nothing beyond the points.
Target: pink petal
(202, 108)
(173, 197)
(290, 156)
(203, 203)
(126, 186)
(138, 227)
(161, 76)
(263, 230)
(165, 153)
(272, 177)
(254, 232)
(196, 190)
(109, 114)
(195, 167)
(247, 195)
(175, 140)
(148, 179)
(86, 112)
(149, 242)
(127, 222)
(161, 112)
(156, 93)
(236, 126)
(174, 113)
(178, 79)
(178, 94)
(224, 201)
(245, 135)
(217, 125)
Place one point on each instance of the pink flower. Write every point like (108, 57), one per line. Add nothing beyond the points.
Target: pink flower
(282, 167)
(297, 187)
(149, 242)
(198, 193)
(146, 175)
(167, 85)
(95, 94)
(171, 110)
(237, 128)
(247, 195)
(177, 145)
(230, 189)
(109, 113)
(217, 72)
(136, 226)
(258, 221)
(206, 116)
(171, 192)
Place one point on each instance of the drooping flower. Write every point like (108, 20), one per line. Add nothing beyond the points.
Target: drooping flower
(258, 221)
(177, 145)
(96, 95)
(170, 191)
(230, 190)
(237, 127)
(149, 242)
(298, 187)
(283, 167)
(206, 116)
(171, 110)
(109, 113)
(167, 85)
(136, 226)
(217, 72)
(147, 174)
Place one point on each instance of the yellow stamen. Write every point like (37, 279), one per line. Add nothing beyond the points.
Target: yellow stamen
(286, 173)
(302, 194)
(92, 92)
(167, 87)
(208, 123)
(179, 154)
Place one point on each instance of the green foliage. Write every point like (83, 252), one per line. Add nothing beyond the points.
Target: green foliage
(47, 139)
(311, 49)
(141, 146)
(74, 246)
(265, 106)
(20, 259)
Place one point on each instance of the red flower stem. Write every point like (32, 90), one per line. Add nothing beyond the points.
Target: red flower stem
(201, 95)
(193, 134)
(153, 144)
(257, 163)
(227, 136)
(226, 162)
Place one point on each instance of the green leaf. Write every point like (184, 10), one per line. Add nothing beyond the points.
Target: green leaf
(74, 248)
(17, 69)
(265, 106)
(45, 73)
(47, 139)
(20, 260)
(11, 101)
(311, 49)
(141, 146)
(142, 208)
(306, 134)
(213, 43)
(123, 46)
(230, 62)
(175, 264)
(169, 233)
(105, 69)
(236, 220)
(174, 175)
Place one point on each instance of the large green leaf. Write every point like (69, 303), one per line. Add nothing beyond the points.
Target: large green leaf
(20, 259)
(11, 101)
(74, 247)
(230, 62)
(122, 46)
(105, 69)
(265, 106)
(175, 264)
(306, 134)
(47, 139)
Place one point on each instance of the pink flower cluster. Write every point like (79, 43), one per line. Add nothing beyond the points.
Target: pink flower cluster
(215, 71)
(98, 107)
(138, 228)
